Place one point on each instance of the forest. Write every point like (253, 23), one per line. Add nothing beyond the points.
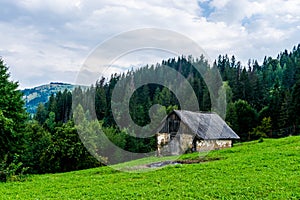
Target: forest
(263, 100)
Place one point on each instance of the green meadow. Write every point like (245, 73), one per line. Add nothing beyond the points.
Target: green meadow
(252, 170)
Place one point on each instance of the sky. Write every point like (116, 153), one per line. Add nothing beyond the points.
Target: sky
(45, 41)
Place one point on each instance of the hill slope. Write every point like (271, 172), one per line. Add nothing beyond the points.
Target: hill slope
(270, 169)
(34, 96)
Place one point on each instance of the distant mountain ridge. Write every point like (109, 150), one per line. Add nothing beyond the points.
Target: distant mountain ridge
(40, 94)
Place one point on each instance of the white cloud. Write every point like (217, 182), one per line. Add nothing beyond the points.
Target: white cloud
(42, 39)
(55, 6)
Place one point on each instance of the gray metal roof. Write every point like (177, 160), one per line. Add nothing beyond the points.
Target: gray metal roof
(206, 125)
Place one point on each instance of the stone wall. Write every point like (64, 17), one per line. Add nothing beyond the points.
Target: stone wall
(175, 146)
(206, 145)
(183, 142)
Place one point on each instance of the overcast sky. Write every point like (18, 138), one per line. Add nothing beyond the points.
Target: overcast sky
(48, 40)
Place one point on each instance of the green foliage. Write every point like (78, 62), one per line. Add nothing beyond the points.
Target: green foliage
(41, 114)
(37, 142)
(117, 138)
(56, 148)
(11, 103)
(66, 151)
(89, 131)
(50, 122)
(100, 99)
(59, 104)
(242, 117)
(12, 171)
(170, 109)
(296, 103)
(12, 119)
(263, 130)
(6, 131)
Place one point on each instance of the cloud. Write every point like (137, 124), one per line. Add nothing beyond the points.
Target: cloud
(265, 27)
(42, 39)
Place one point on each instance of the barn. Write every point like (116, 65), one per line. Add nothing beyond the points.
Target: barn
(183, 131)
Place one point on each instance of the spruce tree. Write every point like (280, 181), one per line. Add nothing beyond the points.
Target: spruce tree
(12, 114)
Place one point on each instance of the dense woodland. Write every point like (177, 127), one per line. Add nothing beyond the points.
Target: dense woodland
(263, 100)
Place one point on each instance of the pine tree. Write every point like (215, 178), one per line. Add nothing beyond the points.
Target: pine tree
(41, 114)
(12, 114)
(100, 99)
(295, 107)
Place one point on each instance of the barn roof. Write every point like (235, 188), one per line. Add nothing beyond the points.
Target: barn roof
(206, 125)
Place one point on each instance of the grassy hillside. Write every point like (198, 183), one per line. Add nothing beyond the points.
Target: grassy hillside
(270, 169)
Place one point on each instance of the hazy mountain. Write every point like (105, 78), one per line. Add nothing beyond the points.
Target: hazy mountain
(34, 96)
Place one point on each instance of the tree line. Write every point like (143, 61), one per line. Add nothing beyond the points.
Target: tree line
(263, 100)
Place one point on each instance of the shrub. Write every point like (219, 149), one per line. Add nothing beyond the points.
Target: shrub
(12, 171)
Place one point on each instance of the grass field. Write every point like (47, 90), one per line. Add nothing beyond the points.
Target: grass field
(266, 170)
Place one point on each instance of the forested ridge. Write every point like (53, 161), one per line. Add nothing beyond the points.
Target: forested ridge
(263, 100)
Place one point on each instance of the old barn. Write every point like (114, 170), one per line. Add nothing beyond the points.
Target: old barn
(183, 131)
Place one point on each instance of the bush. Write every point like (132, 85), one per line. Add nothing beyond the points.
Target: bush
(262, 130)
(12, 171)
(66, 152)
